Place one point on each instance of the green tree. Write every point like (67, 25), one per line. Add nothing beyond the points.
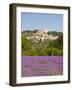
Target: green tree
(25, 44)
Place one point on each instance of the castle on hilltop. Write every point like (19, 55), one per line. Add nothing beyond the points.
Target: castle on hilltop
(43, 31)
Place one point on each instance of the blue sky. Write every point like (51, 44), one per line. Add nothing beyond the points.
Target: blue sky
(52, 22)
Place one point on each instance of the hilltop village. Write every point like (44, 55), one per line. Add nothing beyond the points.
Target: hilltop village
(38, 35)
(42, 43)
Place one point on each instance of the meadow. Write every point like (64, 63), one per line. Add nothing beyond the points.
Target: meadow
(41, 66)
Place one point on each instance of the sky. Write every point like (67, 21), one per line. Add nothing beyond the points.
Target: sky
(51, 22)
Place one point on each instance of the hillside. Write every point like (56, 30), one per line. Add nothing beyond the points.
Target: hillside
(42, 43)
(42, 35)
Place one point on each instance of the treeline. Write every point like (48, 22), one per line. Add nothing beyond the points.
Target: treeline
(46, 48)
(54, 33)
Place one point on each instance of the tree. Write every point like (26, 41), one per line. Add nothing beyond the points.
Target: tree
(25, 44)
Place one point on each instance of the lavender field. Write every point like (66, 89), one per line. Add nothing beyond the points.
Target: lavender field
(41, 66)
